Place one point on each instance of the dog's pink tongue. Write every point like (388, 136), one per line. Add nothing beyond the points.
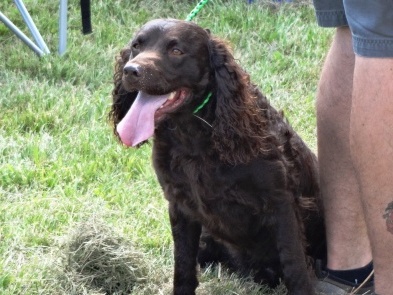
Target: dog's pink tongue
(138, 123)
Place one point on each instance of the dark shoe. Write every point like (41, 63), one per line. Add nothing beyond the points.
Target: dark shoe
(329, 285)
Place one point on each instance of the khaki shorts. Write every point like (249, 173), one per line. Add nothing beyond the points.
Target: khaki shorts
(370, 21)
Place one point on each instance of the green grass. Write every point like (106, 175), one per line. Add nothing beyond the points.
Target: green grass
(59, 162)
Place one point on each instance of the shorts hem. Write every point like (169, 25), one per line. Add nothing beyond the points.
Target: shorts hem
(331, 18)
(372, 47)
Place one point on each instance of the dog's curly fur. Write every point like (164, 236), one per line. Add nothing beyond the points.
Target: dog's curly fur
(241, 184)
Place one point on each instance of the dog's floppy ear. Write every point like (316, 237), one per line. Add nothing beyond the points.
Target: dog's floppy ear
(121, 98)
(238, 127)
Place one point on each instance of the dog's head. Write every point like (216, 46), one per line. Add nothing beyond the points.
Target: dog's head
(168, 56)
(170, 67)
(164, 67)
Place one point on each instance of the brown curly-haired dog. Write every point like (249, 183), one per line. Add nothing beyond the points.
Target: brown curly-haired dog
(228, 162)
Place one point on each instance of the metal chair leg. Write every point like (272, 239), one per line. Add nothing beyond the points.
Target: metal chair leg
(30, 24)
(63, 27)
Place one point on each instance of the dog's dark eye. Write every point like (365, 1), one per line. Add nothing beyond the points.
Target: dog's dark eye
(176, 51)
(136, 46)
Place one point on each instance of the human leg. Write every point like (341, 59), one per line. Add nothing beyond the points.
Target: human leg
(372, 152)
(347, 248)
(371, 135)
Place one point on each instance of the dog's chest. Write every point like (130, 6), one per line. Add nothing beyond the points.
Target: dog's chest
(199, 179)
(226, 199)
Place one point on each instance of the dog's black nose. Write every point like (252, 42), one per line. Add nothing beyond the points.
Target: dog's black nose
(132, 70)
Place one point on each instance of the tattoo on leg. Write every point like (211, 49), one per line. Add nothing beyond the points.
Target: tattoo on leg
(389, 217)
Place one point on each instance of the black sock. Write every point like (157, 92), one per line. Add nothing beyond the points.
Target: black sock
(354, 276)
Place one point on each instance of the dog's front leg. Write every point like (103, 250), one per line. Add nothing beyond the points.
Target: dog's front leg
(186, 234)
(291, 252)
